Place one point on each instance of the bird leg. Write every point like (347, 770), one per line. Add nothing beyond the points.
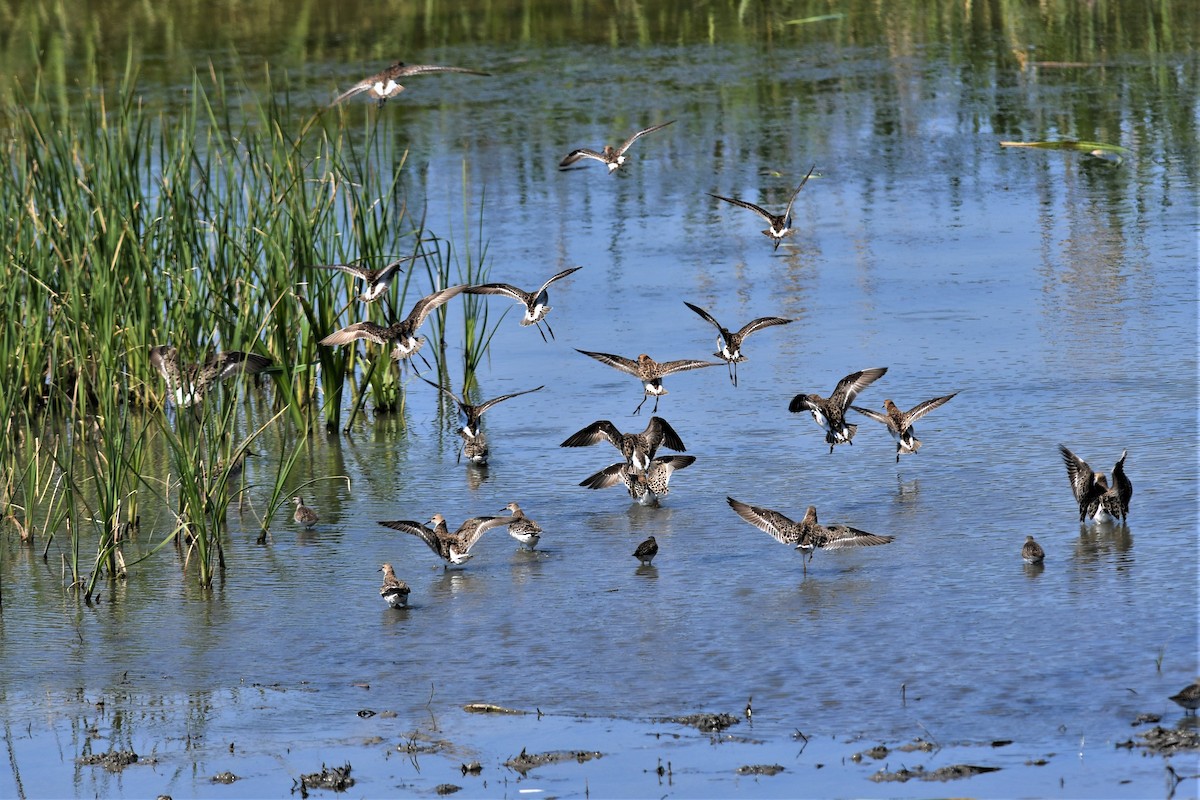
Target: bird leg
(638, 410)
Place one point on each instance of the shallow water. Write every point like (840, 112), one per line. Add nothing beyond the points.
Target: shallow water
(1055, 291)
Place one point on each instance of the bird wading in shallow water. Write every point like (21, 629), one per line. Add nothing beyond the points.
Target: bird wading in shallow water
(830, 412)
(644, 487)
(807, 535)
(646, 551)
(304, 515)
(188, 383)
(394, 592)
(469, 417)
(649, 371)
(522, 528)
(1032, 552)
(1097, 500)
(900, 423)
(779, 226)
(730, 344)
(537, 304)
(611, 157)
(453, 548)
(386, 84)
(1188, 697)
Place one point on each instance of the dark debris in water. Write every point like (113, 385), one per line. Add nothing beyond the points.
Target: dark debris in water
(760, 769)
(951, 773)
(917, 745)
(113, 761)
(1146, 719)
(336, 779)
(225, 777)
(708, 723)
(490, 708)
(472, 768)
(447, 788)
(525, 761)
(1166, 741)
(878, 752)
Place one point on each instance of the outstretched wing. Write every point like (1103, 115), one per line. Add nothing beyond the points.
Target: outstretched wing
(554, 278)
(359, 330)
(222, 365)
(659, 431)
(760, 323)
(921, 409)
(875, 415)
(1082, 476)
(482, 407)
(609, 476)
(426, 304)
(619, 362)
(470, 531)
(425, 534)
(683, 365)
(787, 214)
(629, 142)
(420, 69)
(849, 386)
(705, 316)
(581, 153)
(838, 537)
(599, 431)
(1122, 484)
(781, 528)
(762, 212)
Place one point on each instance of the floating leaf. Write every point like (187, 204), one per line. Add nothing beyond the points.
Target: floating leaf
(1112, 153)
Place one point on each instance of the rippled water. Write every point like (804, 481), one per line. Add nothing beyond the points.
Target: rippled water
(1054, 291)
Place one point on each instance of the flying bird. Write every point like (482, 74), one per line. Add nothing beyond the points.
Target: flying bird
(779, 225)
(807, 535)
(536, 303)
(188, 383)
(649, 371)
(610, 157)
(638, 448)
(1097, 500)
(900, 423)
(830, 412)
(453, 548)
(386, 84)
(730, 344)
(375, 281)
(403, 333)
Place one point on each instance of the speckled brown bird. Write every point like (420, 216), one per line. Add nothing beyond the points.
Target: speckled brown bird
(386, 84)
(900, 423)
(830, 412)
(730, 344)
(637, 448)
(611, 157)
(807, 535)
(1097, 500)
(649, 371)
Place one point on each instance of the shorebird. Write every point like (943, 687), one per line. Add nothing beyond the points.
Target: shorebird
(386, 84)
(730, 344)
(304, 515)
(188, 383)
(394, 592)
(612, 158)
(646, 551)
(1032, 552)
(453, 548)
(475, 449)
(375, 281)
(638, 448)
(536, 303)
(403, 333)
(469, 415)
(1097, 501)
(1188, 697)
(522, 528)
(645, 487)
(781, 224)
(649, 371)
(807, 535)
(830, 413)
(900, 423)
